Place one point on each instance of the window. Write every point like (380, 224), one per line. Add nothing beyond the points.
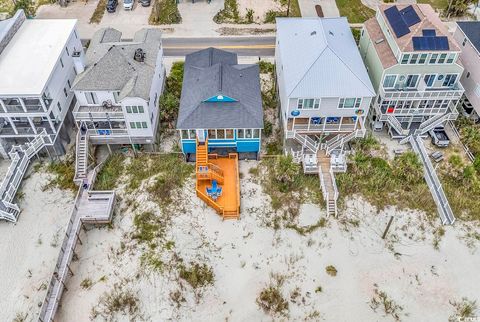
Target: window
(132, 125)
(135, 109)
(405, 58)
(66, 49)
(69, 84)
(389, 81)
(433, 58)
(129, 109)
(59, 107)
(91, 98)
(423, 58)
(61, 62)
(192, 134)
(414, 58)
(429, 79)
(65, 92)
(212, 134)
(451, 58)
(248, 133)
(449, 80)
(115, 96)
(229, 134)
(144, 125)
(464, 42)
(256, 133)
(308, 103)
(220, 134)
(184, 134)
(349, 102)
(140, 109)
(411, 81)
(441, 59)
(138, 125)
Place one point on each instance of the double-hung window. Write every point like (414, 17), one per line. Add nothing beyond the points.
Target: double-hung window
(442, 58)
(414, 59)
(433, 59)
(350, 102)
(405, 59)
(429, 79)
(91, 98)
(411, 81)
(389, 81)
(449, 80)
(422, 59)
(308, 103)
(450, 58)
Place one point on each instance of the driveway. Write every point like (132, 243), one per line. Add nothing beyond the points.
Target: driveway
(329, 7)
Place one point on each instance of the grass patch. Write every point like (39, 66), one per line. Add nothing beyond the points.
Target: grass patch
(271, 299)
(110, 173)
(381, 300)
(288, 187)
(229, 13)
(164, 12)
(99, 12)
(354, 10)
(357, 33)
(117, 301)
(464, 310)
(381, 182)
(293, 12)
(308, 229)
(460, 182)
(86, 284)
(63, 172)
(197, 275)
(169, 102)
(436, 4)
(331, 270)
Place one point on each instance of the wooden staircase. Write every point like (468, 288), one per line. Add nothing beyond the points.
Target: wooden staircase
(81, 156)
(327, 182)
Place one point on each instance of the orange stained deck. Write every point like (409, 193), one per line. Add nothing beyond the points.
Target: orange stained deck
(228, 204)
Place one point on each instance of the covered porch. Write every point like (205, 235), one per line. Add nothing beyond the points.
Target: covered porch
(324, 124)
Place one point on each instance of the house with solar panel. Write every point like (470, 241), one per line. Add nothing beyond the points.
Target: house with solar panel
(467, 36)
(325, 95)
(413, 63)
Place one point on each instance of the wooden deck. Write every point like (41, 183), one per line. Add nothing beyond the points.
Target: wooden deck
(229, 200)
(91, 207)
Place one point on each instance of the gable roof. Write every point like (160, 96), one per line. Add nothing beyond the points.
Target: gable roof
(110, 65)
(212, 72)
(319, 56)
(471, 29)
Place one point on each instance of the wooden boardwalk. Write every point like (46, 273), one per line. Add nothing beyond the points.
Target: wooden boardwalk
(91, 207)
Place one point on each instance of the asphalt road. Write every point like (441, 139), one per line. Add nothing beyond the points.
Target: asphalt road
(243, 46)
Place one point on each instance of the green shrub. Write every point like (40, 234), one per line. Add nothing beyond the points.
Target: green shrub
(99, 11)
(169, 102)
(267, 128)
(229, 13)
(110, 173)
(197, 275)
(271, 300)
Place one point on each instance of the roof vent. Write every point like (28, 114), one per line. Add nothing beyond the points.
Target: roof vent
(313, 33)
(139, 55)
(379, 41)
(220, 97)
(331, 33)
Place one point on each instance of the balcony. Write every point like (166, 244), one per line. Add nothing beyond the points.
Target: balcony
(422, 92)
(323, 125)
(98, 113)
(415, 109)
(30, 105)
(24, 129)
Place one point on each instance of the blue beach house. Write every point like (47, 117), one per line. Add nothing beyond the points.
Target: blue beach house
(221, 101)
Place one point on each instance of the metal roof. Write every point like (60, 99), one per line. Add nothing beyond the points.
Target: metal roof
(212, 72)
(320, 58)
(471, 29)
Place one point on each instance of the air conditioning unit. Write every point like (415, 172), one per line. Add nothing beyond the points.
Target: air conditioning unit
(76, 54)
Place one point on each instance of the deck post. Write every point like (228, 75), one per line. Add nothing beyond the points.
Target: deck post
(70, 270)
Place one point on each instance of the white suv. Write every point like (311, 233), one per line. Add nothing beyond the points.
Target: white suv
(128, 4)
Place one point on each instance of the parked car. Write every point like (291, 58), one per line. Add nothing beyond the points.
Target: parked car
(439, 137)
(145, 3)
(112, 5)
(128, 4)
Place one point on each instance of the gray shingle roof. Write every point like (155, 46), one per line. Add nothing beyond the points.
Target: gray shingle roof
(212, 72)
(472, 30)
(110, 65)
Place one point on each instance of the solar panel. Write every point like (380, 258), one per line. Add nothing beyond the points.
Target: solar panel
(396, 21)
(409, 16)
(441, 43)
(428, 32)
(417, 43)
